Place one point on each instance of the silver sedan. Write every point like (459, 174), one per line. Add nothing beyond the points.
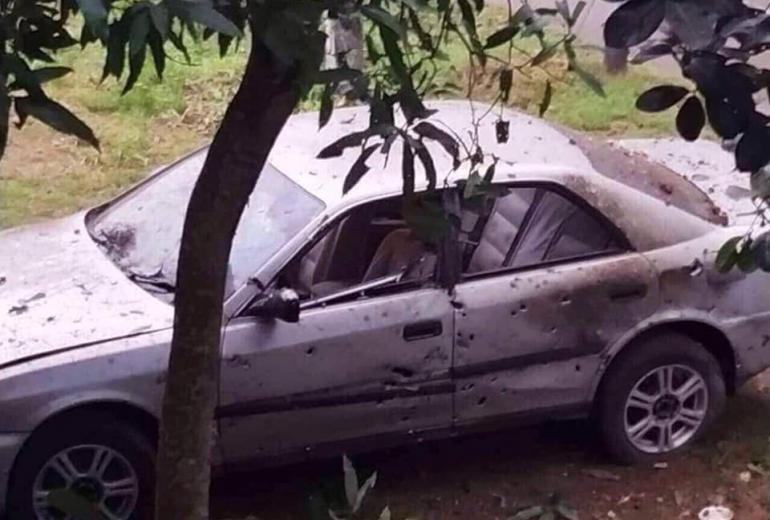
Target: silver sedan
(577, 295)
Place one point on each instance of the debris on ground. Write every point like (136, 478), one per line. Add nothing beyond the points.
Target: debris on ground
(744, 476)
(716, 513)
(601, 474)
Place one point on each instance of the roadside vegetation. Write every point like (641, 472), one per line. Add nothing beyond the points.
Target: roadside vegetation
(45, 175)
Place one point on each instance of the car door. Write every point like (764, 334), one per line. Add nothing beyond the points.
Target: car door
(548, 284)
(368, 361)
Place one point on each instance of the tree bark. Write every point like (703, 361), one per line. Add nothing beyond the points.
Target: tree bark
(264, 101)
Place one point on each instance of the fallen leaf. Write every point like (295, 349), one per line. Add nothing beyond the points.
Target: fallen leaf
(601, 474)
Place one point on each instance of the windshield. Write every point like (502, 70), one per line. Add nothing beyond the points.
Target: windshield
(142, 232)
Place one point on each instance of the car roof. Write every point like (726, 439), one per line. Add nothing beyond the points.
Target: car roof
(536, 152)
(533, 142)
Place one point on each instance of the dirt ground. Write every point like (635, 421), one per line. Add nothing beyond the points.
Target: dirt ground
(492, 476)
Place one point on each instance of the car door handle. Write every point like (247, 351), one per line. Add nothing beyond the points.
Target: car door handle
(422, 330)
(627, 291)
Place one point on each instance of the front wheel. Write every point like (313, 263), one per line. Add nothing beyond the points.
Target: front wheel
(659, 398)
(105, 462)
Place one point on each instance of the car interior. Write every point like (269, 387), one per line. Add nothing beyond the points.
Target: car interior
(370, 243)
(517, 228)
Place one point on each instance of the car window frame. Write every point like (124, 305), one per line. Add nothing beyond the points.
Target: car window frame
(356, 292)
(624, 245)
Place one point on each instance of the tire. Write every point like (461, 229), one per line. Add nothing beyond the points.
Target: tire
(632, 434)
(90, 431)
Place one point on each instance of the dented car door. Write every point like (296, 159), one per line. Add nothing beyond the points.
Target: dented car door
(548, 287)
(355, 368)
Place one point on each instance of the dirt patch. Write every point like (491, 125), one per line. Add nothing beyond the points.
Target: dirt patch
(490, 477)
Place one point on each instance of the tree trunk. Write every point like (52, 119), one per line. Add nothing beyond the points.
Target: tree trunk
(264, 101)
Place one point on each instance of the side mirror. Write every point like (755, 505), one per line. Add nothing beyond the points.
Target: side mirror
(281, 304)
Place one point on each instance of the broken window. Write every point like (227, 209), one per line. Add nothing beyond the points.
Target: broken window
(372, 242)
(527, 226)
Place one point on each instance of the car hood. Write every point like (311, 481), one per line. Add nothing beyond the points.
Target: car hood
(59, 291)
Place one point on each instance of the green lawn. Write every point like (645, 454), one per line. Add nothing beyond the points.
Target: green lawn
(44, 174)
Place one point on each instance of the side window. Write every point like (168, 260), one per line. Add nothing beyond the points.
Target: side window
(370, 243)
(527, 226)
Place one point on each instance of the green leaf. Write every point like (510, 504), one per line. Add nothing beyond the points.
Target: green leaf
(95, 13)
(158, 52)
(761, 251)
(160, 19)
(116, 48)
(73, 505)
(760, 183)
(506, 83)
(407, 170)
(361, 495)
(5, 116)
(529, 513)
(356, 173)
(544, 55)
(327, 105)
(384, 19)
(140, 28)
(427, 163)
(727, 255)
(502, 36)
(745, 261)
(57, 117)
(547, 95)
(351, 478)
(203, 12)
(581, 5)
(589, 79)
(46, 74)
(447, 142)
(337, 148)
(415, 5)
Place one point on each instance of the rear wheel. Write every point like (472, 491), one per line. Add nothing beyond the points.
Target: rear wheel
(659, 398)
(106, 462)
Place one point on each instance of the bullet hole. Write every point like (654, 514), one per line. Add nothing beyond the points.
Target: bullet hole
(3, 280)
(49, 319)
(459, 334)
(472, 337)
(696, 268)
(566, 300)
(403, 372)
(553, 330)
(468, 387)
(464, 314)
(523, 307)
(457, 305)
(482, 401)
(577, 368)
(239, 361)
(366, 318)
(18, 309)
(385, 314)
(493, 379)
(514, 313)
(310, 351)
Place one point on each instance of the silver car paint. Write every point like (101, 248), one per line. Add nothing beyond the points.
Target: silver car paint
(104, 352)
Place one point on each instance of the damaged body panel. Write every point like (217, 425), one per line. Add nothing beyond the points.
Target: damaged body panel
(553, 328)
(339, 328)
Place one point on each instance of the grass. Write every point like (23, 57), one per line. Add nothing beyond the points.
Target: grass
(46, 175)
